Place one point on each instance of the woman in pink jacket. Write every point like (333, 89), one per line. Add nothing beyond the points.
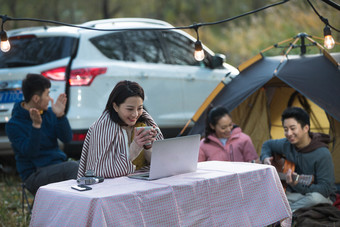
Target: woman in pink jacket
(225, 141)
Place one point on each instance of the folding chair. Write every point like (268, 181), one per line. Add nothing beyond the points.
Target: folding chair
(24, 199)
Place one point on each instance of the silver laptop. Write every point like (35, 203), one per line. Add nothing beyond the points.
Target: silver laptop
(171, 157)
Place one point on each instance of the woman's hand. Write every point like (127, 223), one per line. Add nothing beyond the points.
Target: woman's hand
(145, 138)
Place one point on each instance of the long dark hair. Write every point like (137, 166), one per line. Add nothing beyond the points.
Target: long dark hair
(123, 90)
(214, 114)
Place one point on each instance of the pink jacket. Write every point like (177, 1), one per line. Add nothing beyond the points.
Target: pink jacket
(239, 148)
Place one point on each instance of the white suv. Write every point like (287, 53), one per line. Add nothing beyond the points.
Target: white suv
(86, 64)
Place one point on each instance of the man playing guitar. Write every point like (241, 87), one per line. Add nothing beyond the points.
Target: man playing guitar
(310, 155)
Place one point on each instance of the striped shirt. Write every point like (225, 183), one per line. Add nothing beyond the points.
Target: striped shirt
(106, 148)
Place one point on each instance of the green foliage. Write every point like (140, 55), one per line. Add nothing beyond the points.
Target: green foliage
(239, 39)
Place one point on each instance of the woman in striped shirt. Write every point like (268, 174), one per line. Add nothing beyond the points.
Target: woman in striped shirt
(113, 146)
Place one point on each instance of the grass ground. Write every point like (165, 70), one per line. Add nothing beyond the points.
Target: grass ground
(10, 203)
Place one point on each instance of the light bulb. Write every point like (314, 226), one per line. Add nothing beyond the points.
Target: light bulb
(329, 42)
(5, 45)
(199, 52)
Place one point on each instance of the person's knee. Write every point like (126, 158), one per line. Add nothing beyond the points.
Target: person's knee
(71, 169)
(317, 198)
(294, 196)
(31, 186)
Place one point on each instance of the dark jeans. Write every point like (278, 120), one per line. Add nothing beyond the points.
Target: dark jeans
(51, 174)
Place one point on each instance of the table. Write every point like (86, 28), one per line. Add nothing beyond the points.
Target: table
(217, 194)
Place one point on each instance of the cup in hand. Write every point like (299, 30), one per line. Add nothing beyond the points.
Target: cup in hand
(148, 128)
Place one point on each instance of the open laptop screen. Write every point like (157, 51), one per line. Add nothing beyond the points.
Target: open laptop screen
(172, 156)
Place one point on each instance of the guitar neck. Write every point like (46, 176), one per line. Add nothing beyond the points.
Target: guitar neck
(283, 176)
(302, 179)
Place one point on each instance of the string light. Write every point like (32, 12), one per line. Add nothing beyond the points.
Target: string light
(198, 44)
(199, 52)
(329, 41)
(5, 45)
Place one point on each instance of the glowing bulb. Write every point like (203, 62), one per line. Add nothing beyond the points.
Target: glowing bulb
(199, 52)
(329, 42)
(5, 45)
(199, 55)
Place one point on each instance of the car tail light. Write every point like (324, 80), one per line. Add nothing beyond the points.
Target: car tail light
(78, 77)
(78, 136)
(55, 74)
(85, 76)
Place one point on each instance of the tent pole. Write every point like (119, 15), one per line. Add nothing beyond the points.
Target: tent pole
(204, 105)
(185, 127)
(275, 45)
(327, 55)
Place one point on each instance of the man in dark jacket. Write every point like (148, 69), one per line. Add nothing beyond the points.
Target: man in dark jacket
(309, 152)
(34, 130)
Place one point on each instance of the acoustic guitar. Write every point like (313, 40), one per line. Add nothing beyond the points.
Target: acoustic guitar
(282, 166)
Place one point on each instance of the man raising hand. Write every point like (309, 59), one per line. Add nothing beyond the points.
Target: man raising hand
(34, 130)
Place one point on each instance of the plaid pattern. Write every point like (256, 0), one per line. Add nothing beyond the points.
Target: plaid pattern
(218, 194)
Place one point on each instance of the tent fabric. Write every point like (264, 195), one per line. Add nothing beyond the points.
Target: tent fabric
(253, 118)
(241, 87)
(300, 72)
(318, 119)
(249, 95)
(335, 148)
(316, 78)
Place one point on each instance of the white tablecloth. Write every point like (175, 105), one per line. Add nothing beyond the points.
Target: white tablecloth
(218, 194)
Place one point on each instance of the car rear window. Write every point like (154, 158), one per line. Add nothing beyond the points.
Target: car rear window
(31, 50)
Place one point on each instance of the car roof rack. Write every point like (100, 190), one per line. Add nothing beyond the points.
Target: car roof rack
(27, 29)
(94, 23)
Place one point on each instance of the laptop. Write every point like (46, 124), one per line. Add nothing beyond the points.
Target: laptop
(172, 157)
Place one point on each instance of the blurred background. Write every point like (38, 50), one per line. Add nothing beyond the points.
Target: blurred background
(239, 39)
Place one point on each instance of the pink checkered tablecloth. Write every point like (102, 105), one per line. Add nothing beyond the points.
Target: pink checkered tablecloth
(217, 194)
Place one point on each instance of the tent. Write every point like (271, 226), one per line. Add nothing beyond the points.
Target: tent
(267, 85)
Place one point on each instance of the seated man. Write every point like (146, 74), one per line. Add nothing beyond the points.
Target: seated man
(309, 152)
(34, 130)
